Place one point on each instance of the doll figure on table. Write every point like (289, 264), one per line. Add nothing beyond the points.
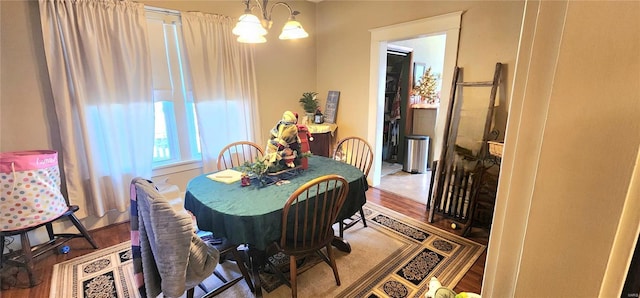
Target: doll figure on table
(283, 147)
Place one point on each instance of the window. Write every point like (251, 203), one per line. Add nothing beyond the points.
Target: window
(176, 130)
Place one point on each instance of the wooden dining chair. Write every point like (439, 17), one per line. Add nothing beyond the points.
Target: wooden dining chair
(237, 153)
(357, 152)
(168, 256)
(307, 219)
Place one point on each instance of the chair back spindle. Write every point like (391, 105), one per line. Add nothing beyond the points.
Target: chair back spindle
(355, 151)
(237, 153)
(307, 219)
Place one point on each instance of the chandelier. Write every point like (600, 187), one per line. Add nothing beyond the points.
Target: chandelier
(250, 29)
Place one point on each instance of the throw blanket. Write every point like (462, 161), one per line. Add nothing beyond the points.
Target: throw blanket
(168, 257)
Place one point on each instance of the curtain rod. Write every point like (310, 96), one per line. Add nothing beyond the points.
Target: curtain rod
(162, 10)
(174, 12)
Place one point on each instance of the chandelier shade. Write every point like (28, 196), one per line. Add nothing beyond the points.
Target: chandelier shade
(248, 38)
(249, 24)
(251, 29)
(293, 30)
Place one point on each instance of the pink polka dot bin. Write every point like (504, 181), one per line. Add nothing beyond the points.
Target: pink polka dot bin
(29, 189)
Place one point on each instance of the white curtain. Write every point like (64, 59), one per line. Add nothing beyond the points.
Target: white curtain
(97, 56)
(224, 86)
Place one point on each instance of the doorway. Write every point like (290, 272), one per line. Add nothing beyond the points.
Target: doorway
(407, 61)
(449, 25)
(396, 97)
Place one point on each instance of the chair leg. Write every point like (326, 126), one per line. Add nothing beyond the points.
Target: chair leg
(203, 287)
(344, 226)
(2, 252)
(293, 276)
(333, 263)
(70, 214)
(28, 258)
(49, 227)
(364, 221)
(243, 268)
(190, 293)
(219, 276)
(256, 259)
(222, 288)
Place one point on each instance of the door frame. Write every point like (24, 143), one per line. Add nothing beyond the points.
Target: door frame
(448, 24)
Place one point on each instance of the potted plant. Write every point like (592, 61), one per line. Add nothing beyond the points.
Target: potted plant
(309, 102)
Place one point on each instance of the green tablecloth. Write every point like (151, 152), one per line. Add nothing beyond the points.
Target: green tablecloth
(253, 215)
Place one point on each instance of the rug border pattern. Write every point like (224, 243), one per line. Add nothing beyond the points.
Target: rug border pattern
(449, 271)
(465, 253)
(70, 269)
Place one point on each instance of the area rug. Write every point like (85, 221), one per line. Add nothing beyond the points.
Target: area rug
(395, 256)
(107, 272)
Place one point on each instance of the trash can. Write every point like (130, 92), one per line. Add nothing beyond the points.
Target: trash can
(416, 159)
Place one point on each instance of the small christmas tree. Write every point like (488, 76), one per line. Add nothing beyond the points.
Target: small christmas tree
(426, 87)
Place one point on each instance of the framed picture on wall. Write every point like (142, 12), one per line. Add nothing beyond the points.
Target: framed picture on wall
(418, 70)
(331, 107)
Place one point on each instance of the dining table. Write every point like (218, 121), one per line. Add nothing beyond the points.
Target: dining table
(252, 215)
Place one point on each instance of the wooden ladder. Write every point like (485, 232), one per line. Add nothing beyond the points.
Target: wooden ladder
(453, 189)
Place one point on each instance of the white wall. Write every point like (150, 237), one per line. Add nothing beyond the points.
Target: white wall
(428, 50)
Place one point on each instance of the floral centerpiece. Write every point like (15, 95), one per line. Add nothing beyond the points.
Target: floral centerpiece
(284, 150)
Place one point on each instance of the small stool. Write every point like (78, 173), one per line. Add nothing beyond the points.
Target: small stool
(30, 253)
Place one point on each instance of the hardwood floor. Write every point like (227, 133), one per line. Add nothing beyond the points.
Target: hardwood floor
(104, 237)
(472, 280)
(118, 233)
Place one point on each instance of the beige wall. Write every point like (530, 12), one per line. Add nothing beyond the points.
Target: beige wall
(568, 192)
(334, 58)
(599, 176)
(572, 142)
(284, 68)
(27, 116)
(26, 87)
(489, 34)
